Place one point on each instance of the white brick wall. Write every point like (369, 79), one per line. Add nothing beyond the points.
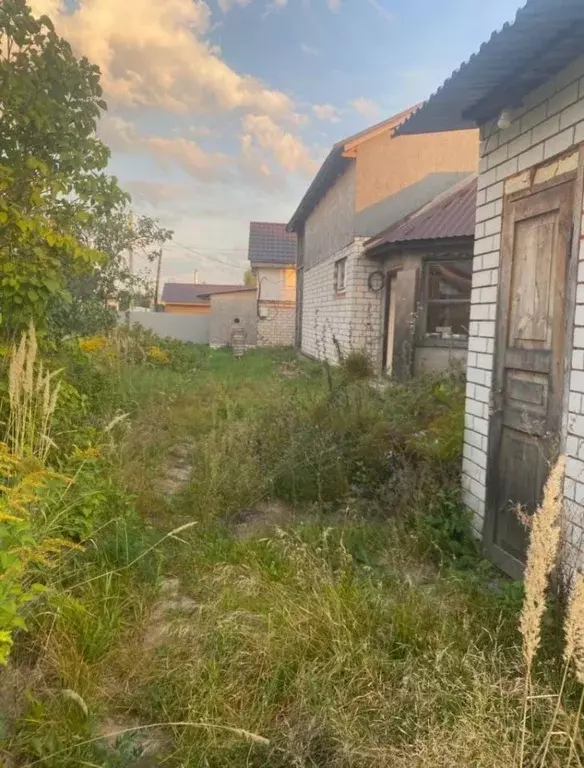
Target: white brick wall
(551, 121)
(353, 319)
(278, 328)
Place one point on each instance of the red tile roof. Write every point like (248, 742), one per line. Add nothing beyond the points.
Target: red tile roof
(451, 214)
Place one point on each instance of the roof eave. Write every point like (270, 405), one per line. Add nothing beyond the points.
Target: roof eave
(543, 39)
(399, 245)
(334, 164)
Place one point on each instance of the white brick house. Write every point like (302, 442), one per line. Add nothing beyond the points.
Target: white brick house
(525, 374)
(272, 257)
(367, 183)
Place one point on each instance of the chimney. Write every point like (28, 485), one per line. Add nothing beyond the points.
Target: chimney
(196, 276)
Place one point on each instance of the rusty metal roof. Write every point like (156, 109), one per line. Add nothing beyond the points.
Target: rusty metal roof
(193, 293)
(450, 215)
(544, 38)
(270, 243)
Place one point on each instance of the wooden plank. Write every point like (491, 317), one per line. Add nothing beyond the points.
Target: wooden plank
(534, 360)
(406, 292)
(570, 292)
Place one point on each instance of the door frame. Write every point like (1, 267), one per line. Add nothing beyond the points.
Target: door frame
(390, 273)
(504, 560)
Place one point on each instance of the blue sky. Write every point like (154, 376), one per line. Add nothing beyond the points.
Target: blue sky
(221, 111)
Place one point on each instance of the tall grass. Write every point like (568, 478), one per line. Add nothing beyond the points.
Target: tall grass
(357, 629)
(33, 395)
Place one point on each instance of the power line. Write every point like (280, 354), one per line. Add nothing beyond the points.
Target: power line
(214, 260)
(211, 248)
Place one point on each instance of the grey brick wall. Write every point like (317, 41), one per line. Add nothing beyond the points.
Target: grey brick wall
(353, 318)
(278, 328)
(549, 124)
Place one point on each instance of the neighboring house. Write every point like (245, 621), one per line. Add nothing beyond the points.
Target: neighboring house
(425, 270)
(190, 298)
(525, 89)
(272, 255)
(225, 307)
(367, 183)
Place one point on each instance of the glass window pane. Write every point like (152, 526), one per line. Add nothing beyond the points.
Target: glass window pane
(447, 320)
(450, 279)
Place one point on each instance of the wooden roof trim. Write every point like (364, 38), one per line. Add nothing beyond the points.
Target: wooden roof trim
(350, 148)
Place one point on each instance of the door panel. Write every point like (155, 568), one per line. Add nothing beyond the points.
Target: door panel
(390, 324)
(528, 375)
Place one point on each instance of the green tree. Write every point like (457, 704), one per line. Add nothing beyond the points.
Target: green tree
(110, 281)
(249, 278)
(53, 182)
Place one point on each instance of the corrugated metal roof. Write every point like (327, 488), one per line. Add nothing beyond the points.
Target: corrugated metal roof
(545, 37)
(450, 215)
(333, 166)
(270, 243)
(193, 293)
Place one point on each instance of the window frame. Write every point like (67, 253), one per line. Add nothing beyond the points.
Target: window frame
(340, 289)
(424, 339)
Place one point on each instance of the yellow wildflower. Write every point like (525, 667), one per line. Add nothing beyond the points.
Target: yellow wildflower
(158, 355)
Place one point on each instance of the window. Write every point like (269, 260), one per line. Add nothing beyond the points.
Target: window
(448, 285)
(341, 275)
(289, 278)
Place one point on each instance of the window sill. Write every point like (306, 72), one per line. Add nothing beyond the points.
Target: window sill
(341, 294)
(426, 341)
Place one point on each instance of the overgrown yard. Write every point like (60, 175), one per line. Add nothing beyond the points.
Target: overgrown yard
(258, 563)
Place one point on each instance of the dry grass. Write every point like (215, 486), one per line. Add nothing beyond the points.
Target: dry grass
(33, 395)
(337, 642)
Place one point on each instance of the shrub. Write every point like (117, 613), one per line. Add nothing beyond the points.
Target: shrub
(25, 541)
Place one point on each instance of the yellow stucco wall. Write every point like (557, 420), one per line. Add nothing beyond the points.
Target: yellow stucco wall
(386, 165)
(188, 309)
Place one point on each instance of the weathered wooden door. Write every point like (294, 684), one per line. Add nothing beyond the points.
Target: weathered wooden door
(529, 362)
(391, 301)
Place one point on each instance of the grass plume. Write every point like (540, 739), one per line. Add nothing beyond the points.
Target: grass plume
(32, 396)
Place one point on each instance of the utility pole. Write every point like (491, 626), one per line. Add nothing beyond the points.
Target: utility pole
(131, 261)
(157, 288)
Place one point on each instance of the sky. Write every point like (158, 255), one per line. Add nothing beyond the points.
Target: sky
(221, 111)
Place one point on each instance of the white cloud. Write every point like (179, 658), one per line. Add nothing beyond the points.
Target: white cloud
(157, 56)
(158, 194)
(227, 5)
(327, 113)
(365, 107)
(309, 50)
(381, 10)
(177, 151)
(287, 150)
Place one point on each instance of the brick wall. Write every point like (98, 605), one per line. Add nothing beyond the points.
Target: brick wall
(278, 328)
(353, 318)
(549, 124)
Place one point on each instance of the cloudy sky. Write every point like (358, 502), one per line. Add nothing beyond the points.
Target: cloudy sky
(220, 111)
